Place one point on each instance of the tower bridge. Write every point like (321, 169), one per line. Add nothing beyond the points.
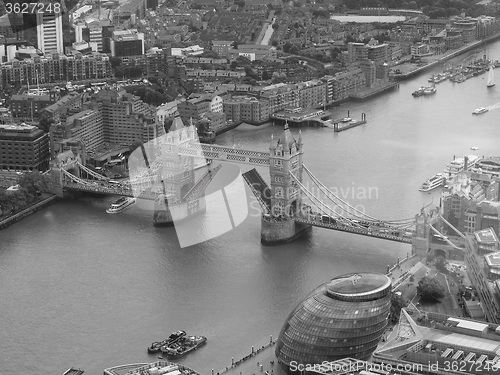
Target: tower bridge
(289, 208)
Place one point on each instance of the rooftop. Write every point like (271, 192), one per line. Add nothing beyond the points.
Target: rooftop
(467, 324)
(358, 284)
(493, 259)
(17, 127)
(486, 236)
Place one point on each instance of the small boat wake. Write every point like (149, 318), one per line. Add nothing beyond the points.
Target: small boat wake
(494, 106)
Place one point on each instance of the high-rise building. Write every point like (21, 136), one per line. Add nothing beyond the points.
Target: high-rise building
(127, 43)
(345, 317)
(50, 31)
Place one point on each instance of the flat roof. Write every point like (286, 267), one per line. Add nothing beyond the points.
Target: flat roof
(486, 236)
(471, 343)
(358, 284)
(467, 324)
(493, 259)
(17, 127)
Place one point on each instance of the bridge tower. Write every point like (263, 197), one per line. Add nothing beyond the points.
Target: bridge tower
(421, 239)
(177, 171)
(285, 157)
(67, 161)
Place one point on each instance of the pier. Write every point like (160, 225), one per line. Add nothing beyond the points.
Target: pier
(260, 361)
(339, 125)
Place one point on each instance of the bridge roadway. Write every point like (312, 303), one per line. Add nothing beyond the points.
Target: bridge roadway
(345, 228)
(221, 153)
(111, 190)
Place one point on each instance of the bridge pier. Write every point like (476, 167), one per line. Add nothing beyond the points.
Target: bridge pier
(280, 232)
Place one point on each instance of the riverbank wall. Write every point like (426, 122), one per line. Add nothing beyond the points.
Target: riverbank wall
(458, 52)
(26, 212)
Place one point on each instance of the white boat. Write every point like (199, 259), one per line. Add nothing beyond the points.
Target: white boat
(429, 90)
(120, 205)
(458, 165)
(433, 182)
(346, 119)
(474, 148)
(480, 110)
(491, 78)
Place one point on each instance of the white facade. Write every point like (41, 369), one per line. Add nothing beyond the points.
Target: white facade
(216, 104)
(49, 32)
(11, 53)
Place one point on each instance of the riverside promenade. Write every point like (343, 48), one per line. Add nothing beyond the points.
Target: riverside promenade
(409, 70)
(26, 212)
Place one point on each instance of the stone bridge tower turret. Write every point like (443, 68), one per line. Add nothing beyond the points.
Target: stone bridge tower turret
(285, 159)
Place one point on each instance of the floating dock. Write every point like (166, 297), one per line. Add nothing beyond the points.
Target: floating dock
(341, 126)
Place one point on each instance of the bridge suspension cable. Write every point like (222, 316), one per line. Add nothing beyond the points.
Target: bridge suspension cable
(321, 206)
(75, 178)
(363, 216)
(329, 195)
(91, 172)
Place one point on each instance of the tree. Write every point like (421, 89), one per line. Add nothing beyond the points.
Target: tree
(34, 182)
(274, 43)
(397, 303)
(441, 264)
(115, 62)
(210, 54)
(44, 122)
(275, 26)
(265, 76)
(430, 289)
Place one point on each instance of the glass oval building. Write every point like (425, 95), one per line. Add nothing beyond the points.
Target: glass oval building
(344, 317)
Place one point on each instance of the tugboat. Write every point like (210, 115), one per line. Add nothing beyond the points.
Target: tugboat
(172, 339)
(184, 346)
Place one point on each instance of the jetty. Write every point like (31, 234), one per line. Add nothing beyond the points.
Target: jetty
(260, 361)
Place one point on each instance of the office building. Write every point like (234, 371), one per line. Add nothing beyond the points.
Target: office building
(23, 148)
(86, 125)
(344, 317)
(49, 32)
(127, 43)
(441, 347)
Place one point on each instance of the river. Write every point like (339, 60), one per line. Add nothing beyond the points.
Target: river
(83, 288)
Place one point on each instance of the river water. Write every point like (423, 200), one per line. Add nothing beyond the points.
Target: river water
(83, 288)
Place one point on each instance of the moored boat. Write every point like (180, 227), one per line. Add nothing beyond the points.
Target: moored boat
(460, 164)
(172, 339)
(418, 92)
(433, 182)
(430, 90)
(120, 205)
(491, 79)
(184, 346)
